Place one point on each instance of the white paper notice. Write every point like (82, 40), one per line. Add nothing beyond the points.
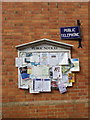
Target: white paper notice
(36, 71)
(53, 59)
(31, 59)
(36, 57)
(25, 82)
(62, 88)
(57, 73)
(46, 85)
(32, 87)
(40, 71)
(63, 58)
(44, 58)
(19, 61)
(38, 85)
(45, 70)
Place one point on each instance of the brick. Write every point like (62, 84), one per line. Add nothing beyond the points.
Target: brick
(24, 22)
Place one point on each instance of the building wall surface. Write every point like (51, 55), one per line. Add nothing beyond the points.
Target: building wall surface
(23, 22)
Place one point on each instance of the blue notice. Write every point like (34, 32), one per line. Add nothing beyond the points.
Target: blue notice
(70, 32)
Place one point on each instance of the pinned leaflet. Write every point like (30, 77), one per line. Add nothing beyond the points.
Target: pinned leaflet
(62, 88)
(40, 85)
(76, 67)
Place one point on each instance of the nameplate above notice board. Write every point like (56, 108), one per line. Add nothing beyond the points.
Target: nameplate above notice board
(70, 32)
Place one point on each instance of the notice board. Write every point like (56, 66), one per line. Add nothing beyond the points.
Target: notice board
(43, 65)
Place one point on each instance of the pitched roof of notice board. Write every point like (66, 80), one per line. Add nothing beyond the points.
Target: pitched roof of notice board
(44, 40)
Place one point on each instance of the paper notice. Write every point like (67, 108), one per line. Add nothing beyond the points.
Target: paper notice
(76, 67)
(62, 88)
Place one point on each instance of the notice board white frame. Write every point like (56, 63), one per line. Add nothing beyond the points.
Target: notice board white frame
(66, 48)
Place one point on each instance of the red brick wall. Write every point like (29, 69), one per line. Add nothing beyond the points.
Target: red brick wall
(26, 22)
